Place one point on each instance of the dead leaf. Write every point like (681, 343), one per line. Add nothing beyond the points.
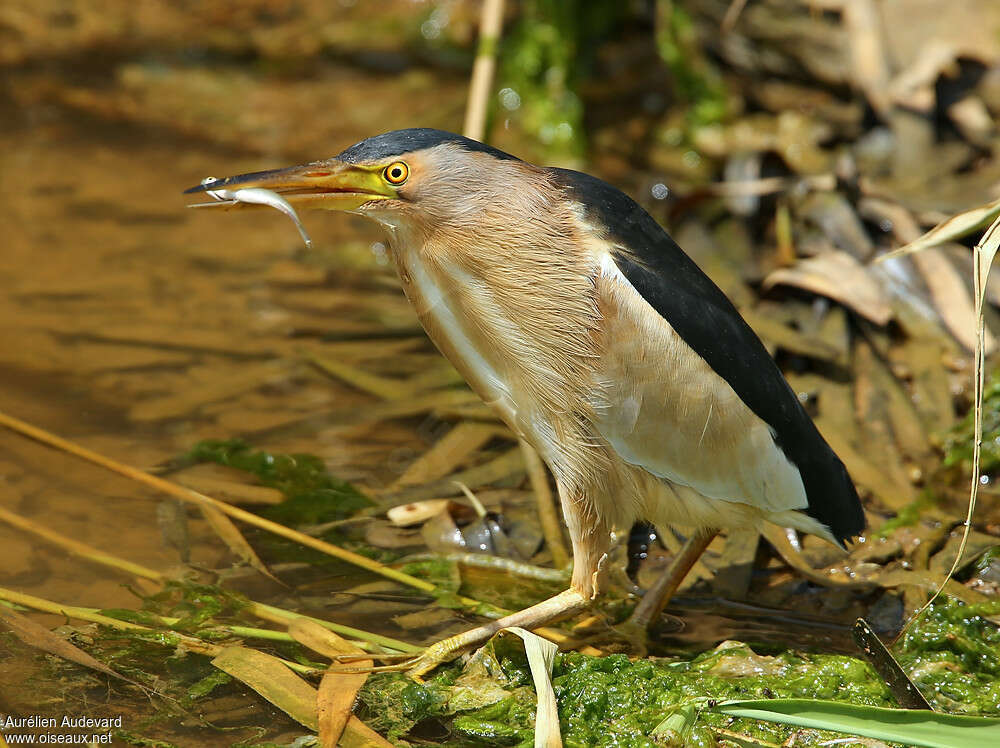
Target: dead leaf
(383, 387)
(35, 635)
(839, 276)
(541, 654)
(732, 579)
(269, 677)
(320, 639)
(221, 386)
(226, 529)
(335, 702)
(948, 231)
(230, 490)
(830, 577)
(951, 297)
(337, 691)
(360, 735)
(447, 453)
(776, 333)
(869, 61)
(913, 87)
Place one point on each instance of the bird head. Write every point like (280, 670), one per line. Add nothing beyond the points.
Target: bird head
(417, 180)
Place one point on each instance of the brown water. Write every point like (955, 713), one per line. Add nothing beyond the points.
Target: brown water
(137, 327)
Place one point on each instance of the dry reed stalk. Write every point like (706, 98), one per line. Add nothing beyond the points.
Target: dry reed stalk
(490, 23)
(548, 515)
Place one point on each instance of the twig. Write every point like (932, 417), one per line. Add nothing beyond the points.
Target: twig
(551, 526)
(193, 497)
(490, 23)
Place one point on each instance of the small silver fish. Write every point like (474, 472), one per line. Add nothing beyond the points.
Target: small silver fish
(260, 196)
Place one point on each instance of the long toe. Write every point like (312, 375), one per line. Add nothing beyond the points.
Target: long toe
(437, 654)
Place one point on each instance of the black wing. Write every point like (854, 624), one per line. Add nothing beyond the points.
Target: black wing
(699, 311)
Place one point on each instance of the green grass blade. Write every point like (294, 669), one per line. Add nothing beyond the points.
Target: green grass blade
(907, 726)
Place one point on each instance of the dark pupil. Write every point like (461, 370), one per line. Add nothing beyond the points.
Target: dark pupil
(396, 172)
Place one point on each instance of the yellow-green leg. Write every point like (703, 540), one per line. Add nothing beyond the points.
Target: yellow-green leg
(566, 603)
(589, 548)
(657, 596)
(633, 632)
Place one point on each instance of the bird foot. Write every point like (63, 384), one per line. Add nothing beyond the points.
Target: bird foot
(439, 653)
(565, 603)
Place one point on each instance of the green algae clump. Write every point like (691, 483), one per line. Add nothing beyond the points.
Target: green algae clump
(611, 701)
(312, 495)
(953, 655)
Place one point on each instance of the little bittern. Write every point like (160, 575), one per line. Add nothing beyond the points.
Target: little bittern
(577, 318)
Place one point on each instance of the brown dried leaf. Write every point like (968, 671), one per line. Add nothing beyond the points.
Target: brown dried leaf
(269, 677)
(337, 691)
(929, 582)
(228, 384)
(320, 639)
(879, 441)
(914, 87)
(234, 491)
(977, 542)
(830, 577)
(232, 537)
(907, 430)
(951, 297)
(775, 332)
(35, 635)
(335, 702)
(732, 577)
(869, 61)
(948, 231)
(839, 276)
(383, 387)
(508, 463)
(360, 735)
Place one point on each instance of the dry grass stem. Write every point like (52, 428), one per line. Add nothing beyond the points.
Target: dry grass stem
(383, 387)
(464, 439)
(548, 514)
(490, 25)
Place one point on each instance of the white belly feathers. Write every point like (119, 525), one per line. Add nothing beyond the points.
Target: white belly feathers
(662, 408)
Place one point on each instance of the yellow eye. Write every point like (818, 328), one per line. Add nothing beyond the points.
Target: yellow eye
(396, 173)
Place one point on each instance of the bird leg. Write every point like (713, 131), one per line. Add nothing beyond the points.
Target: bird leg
(633, 632)
(589, 548)
(565, 603)
(657, 596)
